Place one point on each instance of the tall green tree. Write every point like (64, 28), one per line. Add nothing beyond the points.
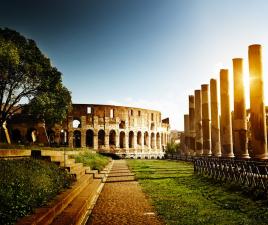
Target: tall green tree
(28, 78)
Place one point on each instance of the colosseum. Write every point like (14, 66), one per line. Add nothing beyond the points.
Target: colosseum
(126, 131)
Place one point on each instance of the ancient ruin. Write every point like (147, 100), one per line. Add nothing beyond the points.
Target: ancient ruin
(125, 131)
(228, 135)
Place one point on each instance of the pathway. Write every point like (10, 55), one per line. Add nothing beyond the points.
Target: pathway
(122, 200)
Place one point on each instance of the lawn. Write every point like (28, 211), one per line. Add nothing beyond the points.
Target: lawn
(180, 197)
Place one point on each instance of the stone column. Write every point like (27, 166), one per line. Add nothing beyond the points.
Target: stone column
(135, 141)
(257, 103)
(83, 138)
(117, 139)
(183, 143)
(106, 139)
(149, 141)
(126, 146)
(142, 141)
(192, 124)
(186, 132)
(206, 129)
(160, 142)
(95, 141)
(240, 116)
(226, 119)
(198, 123)
(215, 125)
(71, 141)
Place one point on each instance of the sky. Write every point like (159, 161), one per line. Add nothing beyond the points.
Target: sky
(141, 53)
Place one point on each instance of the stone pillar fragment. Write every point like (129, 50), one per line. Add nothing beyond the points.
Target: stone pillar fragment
(83, 138)
(198, 123)
(117, 139)
(106, 139)
(206, 129)
(186, 132)
(240, 116)
(226, 119)
(257, 104)
(126, 145)
(95, 141)
(142, 141)
(192, 124)
(215, 125)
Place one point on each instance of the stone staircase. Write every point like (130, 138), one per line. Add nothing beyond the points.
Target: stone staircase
(72, 206)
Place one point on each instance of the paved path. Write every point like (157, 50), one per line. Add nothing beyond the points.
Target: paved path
(122, 200)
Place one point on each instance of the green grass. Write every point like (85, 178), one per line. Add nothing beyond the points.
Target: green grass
(26, 184)
(94, 160)
(180, 197)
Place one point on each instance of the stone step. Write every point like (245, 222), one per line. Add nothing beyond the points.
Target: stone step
(51, 153)
(93, 172)
(67, 162)
(45, 215)
(78, 172)
(74, 166)
(77, 209)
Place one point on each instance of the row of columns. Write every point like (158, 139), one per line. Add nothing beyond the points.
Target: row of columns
(209, 134)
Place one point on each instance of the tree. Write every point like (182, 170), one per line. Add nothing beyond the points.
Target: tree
(26, 76)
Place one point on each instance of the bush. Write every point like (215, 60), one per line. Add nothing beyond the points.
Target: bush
(94, 160)
(26, 184)
(172, 148)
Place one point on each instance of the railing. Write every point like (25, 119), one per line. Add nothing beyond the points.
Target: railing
(249, 173)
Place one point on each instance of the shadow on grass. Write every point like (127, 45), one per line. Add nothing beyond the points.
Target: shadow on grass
(186, 198)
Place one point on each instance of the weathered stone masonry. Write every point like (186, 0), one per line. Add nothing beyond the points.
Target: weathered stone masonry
(133, 132)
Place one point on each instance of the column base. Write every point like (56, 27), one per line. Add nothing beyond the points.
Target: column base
(244, 156)
(217, 155)
(207, 152)
(261, 156)
(231, 155)
(199, 152)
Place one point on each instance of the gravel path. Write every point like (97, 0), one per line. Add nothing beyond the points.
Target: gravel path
(122, 200)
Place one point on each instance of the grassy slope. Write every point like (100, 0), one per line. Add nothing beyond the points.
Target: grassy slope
(180, 197)
(94, 160)
(26, 184)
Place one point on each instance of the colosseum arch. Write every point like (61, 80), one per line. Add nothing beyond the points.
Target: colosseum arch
(158, 141)
(101, 138)
(146, 139)
(16, 136)
(90, 138)
(112, 135)
(76, 122)
(152, 140)
(63, 137)
(77, 139)
(122, 139)
(131, 139)
(31, 135)
(51, 136)
(139, 140)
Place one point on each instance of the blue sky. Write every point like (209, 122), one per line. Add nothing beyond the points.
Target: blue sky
(142, 53)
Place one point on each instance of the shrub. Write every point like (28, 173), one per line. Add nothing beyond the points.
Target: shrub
(26, 184)
(172, 148)
(93, 160)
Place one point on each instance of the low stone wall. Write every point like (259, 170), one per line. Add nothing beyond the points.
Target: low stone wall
(13, 153)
